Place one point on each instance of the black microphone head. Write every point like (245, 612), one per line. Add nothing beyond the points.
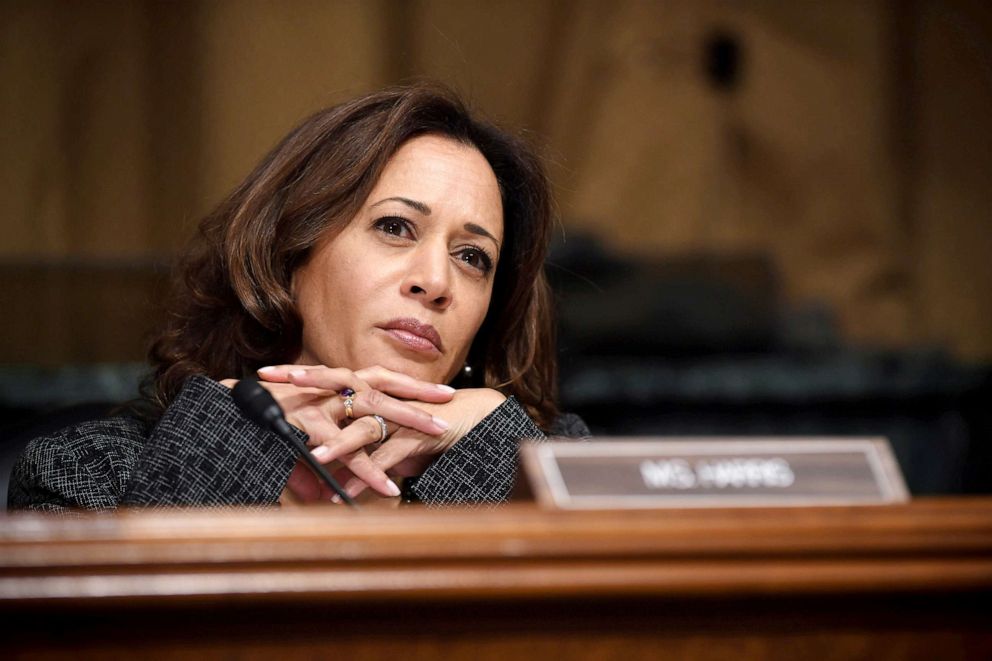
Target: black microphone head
(256, 403)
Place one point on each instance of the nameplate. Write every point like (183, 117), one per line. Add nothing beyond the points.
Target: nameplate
(715, 472)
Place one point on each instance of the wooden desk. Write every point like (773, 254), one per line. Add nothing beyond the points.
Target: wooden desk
(908, 581)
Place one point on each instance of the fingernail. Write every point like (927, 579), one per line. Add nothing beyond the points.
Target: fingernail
(299, 374)
(391, 488)
(321, 453)
(445, 389)
(336, 499)
(267, 369)
(440, 422)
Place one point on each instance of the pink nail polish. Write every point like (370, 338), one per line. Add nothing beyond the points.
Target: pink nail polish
(391, 488)
(445, 389)
(266, 369)
(299, 374)
(321, 453)
(440, 422)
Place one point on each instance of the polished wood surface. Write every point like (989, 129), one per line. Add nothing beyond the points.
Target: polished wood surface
(901, 579)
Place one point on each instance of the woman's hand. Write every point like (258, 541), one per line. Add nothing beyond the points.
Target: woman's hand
(409, 451)
(309, 396)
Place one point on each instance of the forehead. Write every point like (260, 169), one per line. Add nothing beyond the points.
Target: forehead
(448, 176)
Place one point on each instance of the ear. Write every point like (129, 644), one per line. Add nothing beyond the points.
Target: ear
(301, 263)
(292, 284)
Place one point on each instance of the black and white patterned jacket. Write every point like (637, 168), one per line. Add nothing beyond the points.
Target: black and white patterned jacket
(203, 451)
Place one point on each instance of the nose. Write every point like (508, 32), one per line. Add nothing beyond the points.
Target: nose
(428, 277)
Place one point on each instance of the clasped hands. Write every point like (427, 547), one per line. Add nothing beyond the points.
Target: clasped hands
(422, 420)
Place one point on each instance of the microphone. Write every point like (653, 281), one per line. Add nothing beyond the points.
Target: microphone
(260, 407)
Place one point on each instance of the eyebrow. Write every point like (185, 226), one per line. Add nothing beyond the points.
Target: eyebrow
(419, 206)
(481, 231)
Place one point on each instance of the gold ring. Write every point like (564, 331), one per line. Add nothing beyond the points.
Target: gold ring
(348, 404)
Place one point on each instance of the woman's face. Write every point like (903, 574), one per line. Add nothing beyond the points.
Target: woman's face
(407, 283)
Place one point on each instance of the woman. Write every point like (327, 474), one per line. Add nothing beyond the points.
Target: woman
(385, 248)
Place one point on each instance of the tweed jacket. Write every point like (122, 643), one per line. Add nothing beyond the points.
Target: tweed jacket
(203, 451)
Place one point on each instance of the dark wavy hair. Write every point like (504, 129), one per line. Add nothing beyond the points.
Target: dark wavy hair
(232, 311)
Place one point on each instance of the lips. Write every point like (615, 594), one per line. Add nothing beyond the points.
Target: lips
(415, 335)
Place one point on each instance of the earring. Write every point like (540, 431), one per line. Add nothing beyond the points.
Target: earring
(463, 379)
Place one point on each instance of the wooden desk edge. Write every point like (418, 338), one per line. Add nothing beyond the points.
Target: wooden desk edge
(327, 554)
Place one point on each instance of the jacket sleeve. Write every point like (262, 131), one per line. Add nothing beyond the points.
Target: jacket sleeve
(482, 466)
(85, 466)
(205, 452)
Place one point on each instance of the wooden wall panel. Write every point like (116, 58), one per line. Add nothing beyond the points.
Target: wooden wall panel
(854, 153)
(499, 55)
(951, 196)
(75, 166)
(793, 163)
(265, 66)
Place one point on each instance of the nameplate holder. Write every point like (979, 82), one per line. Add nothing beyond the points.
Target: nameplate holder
(642, 473)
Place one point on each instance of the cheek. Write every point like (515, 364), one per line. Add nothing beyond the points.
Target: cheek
(324, 319)
(481, 314)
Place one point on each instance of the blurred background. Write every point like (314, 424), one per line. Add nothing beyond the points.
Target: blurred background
(775, 214)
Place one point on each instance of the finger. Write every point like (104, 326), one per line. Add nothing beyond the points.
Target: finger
(292, 394)
(403, 456)
(362, 432)
(367, 474)
(229, 383)
(404, 386)
(404, 414)
(352, 485)
(327, 378)
(303, 408)
(407, 453)
(276, 373)
(314, 376)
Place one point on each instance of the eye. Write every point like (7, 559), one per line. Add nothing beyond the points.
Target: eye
(477, 258)
(394, 226)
